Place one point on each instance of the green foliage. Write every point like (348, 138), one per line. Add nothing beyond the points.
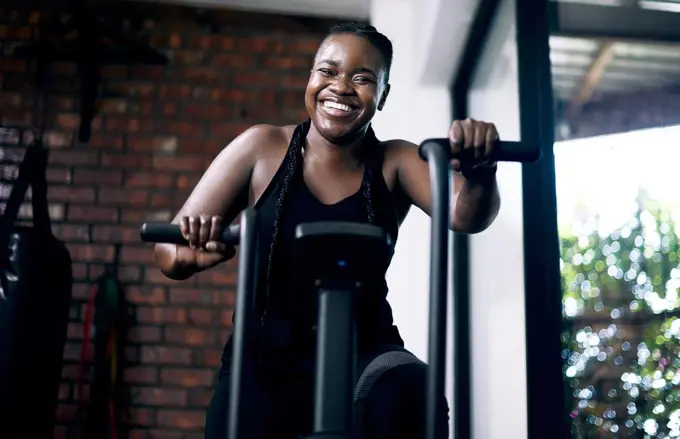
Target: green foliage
(622, 342)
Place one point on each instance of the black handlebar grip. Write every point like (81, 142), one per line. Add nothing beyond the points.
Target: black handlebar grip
(171, 234)
(505, 151)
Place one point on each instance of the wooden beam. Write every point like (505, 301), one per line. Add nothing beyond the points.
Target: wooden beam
(591, 80)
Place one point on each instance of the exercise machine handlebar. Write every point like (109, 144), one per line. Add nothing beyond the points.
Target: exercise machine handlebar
(171, 234)
(437, 154)
(504, 152)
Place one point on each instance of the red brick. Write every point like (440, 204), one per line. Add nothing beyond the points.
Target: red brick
(91, 252)
(294, 82)
(140, 375)
(161, 315)
(129, 125)
(79, 270)
(207, 112)
(92, 214)
(253, 44)
(98, 176)
(67, 412)
(66, 121)
(183, 163)
(64, 392)
(123, 197)
(304, 46)
(201, 316)
(209, 357)
(188, 377)
(260, 79)
(158, 396)
(144, 334)
(138, 216)
(153, 275)
(57, 139)
(114, 72)
(227, 317)
(163, 144)
(137, 254)
(13, 65)
(109, 141)
(145, 73)
(227, 130)
(165, 355)
(145, 295)
(200, 397)
(71, 232)
(126, 161)
(287, 63)
(188, 181)
(191, 296)
(64, 68)
(185, 419)
(162, 199)
(126, 273)
(73, 157)
(10, 99)
(173, 92)
(182, 128)
(217, 276)
(201, 75)
(112, 106)
(141, 416)
(15, 32)
(63, 103)
(115, 234)
(71, 194)
(139, 90)
(226, 96)
(190, 336)
(204, 146)
(189, 57)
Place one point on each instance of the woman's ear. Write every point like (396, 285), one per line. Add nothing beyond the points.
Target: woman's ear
(383, 97)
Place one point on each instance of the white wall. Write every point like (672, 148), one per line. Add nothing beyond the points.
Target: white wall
(415, 110)
(497, 267)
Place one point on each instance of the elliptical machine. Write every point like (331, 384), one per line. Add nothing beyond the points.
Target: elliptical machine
(337, 271)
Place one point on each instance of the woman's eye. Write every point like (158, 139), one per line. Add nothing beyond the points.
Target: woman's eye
(326, 72)
(362, 80)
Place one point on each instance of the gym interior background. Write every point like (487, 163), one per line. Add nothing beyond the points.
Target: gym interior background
(528, 361)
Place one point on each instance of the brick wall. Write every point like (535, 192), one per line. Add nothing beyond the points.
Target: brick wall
(156, 130)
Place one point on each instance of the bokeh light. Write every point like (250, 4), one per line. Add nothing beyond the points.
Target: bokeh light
(619, 221)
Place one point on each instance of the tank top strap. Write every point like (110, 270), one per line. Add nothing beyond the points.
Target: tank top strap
(299, 134)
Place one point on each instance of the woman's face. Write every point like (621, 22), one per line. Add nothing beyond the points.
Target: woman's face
(346, 86)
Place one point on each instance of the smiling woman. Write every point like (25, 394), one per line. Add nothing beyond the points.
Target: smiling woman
(330, 167)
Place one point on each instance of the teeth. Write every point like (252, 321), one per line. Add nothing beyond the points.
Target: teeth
(337, 106)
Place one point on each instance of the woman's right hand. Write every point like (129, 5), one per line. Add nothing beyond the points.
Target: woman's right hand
(205, 250)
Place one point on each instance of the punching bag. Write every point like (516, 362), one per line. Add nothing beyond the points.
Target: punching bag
(36, 278)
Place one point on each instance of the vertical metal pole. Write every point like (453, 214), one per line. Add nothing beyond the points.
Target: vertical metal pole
(335, 363)
(247, 275)
(437, 156)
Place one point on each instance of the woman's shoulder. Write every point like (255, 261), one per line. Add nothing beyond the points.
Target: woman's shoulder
(265, 138)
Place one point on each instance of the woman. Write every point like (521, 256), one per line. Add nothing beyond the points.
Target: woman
(330, 167)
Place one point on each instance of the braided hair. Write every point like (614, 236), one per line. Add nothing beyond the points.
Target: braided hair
(371, 144)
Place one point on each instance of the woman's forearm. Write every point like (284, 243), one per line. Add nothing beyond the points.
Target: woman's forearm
(477, 204)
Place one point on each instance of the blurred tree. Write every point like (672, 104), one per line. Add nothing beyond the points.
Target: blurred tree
(622, 326)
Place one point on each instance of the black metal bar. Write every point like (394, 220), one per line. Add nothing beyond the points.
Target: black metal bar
(335, 363)
(542, 298)
(632, 22)
(247, 278)
(462, 355)
(437, 157)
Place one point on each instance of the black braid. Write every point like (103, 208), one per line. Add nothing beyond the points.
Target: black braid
(294, 152)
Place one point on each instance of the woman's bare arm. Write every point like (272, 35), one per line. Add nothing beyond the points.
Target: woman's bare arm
(222, 191)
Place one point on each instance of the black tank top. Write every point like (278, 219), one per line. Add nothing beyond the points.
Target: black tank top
(286, 337)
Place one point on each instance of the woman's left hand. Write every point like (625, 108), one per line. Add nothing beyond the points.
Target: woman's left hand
(472, 145)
